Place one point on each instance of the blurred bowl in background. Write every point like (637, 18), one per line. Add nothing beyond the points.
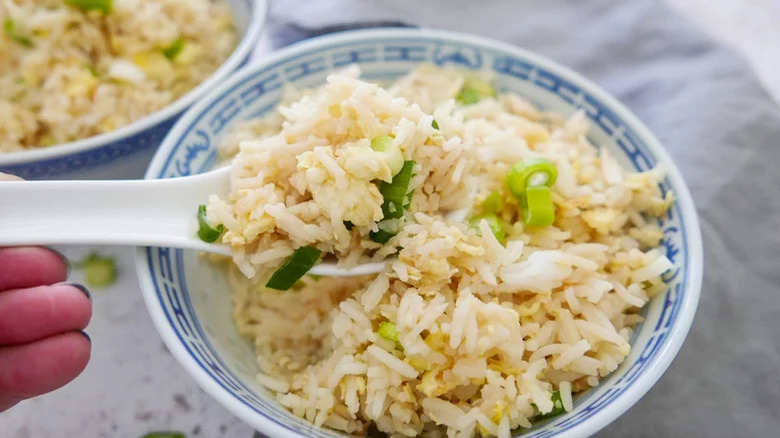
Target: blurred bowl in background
(189, 298)
(125, 152)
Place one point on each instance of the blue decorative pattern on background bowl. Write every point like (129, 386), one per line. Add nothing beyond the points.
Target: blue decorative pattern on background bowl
(188, 297)
(126, 152)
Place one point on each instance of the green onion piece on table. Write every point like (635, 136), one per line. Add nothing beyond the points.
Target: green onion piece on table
(99, 271)
(538, 208)
(164, 434)
(435, 124)
(495, 224)
(206, 232)
(531, 172)
(10, 29)
(494, 203)
(395, 158)
(395, 192)
(557, 409)
(92, 5)
(172, 51)
(302, 260)
(474, 90)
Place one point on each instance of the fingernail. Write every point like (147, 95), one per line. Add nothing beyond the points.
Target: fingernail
(83, 289)
(86, 336)
(64, 260)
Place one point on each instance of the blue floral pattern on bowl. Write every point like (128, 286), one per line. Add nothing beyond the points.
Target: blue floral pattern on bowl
(383, 57)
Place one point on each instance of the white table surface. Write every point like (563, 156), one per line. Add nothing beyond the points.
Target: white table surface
(133, 385)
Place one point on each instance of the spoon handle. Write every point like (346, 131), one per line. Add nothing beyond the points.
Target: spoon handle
(159, 212)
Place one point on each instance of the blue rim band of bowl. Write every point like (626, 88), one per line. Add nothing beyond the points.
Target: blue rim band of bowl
(128, 139)
(662, 348)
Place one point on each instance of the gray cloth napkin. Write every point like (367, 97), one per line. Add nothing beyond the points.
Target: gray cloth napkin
(722, 129)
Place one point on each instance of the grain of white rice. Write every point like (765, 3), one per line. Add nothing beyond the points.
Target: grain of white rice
(442, 412)
(374, 293)
(272, 383)
(392, 362)
(654, 269)
(577, 350)
(565, 388)
(628, 297)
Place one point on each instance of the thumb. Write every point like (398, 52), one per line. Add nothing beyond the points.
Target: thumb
(9, 177)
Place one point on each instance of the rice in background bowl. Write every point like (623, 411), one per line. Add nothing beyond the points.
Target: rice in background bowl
(197, 322)
(88, 94)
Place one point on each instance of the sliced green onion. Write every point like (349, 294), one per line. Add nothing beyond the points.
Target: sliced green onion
(349, 225)
(387, 229)
(557, 409)
(164, 434)
(435, 124)
(92, 5)
(99, 271)
(206, 232)
(395, 158)
(468, 97)
(531, 172)
(389, 331)
(495, 224)
(537, 205)
(380, 236)
(494, 203)
(474, 90)
(396, 197)
(408, 199)
(483, 87)
(92, 70)
(10, 29)
(302, 260)
(382, 143)
(172, 51)
(395, 192)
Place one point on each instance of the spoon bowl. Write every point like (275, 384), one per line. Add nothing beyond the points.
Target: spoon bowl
(157, 213)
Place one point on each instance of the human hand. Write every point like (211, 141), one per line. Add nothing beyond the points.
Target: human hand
(7, 177)
(42, 346)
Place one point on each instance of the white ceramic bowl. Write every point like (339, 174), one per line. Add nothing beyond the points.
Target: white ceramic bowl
(125, 153)
(188, 298)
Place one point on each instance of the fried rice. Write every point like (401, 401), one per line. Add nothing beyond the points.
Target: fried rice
(67, 73)
(488, 333)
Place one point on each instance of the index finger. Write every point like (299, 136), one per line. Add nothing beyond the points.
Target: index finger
(30, 266)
